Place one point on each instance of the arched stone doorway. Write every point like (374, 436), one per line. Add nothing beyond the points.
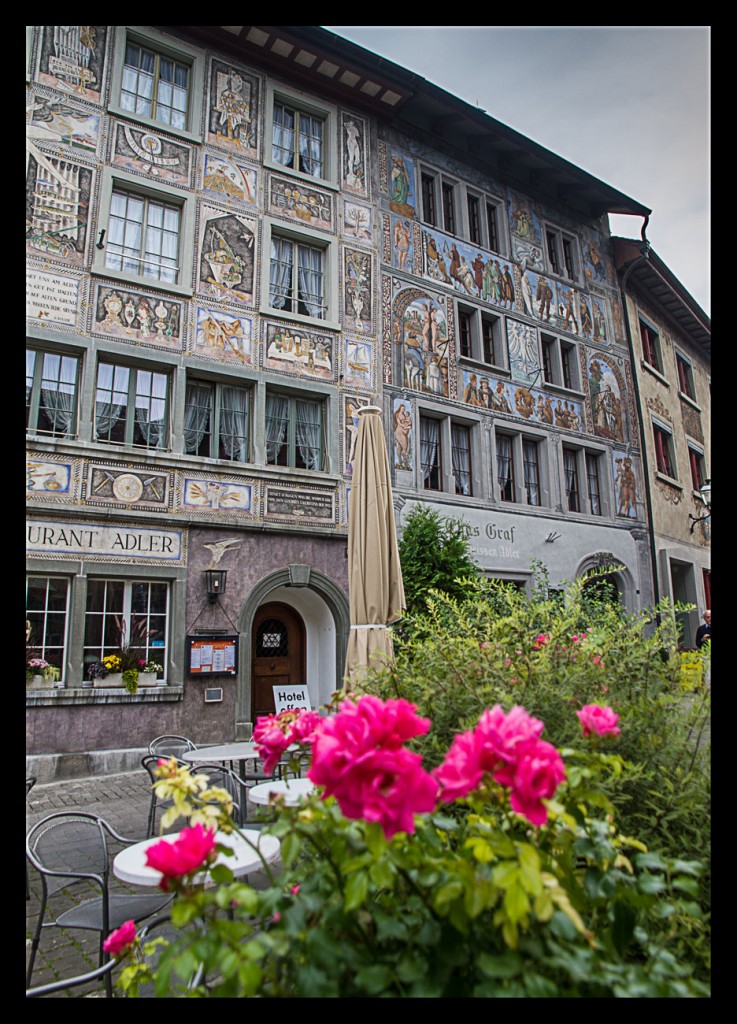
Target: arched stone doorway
(277, 655)
(616, 586)
(322, 606)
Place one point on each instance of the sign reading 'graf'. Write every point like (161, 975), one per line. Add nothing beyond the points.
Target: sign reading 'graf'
(87, 539)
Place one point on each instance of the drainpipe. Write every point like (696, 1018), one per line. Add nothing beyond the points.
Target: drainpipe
(645, 465)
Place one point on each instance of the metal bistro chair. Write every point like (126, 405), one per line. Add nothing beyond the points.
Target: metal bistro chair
(161, 927)
(170, 746)
(218, 774)
(64, 983)
(149, 763)
(67, 848)
(30, 783)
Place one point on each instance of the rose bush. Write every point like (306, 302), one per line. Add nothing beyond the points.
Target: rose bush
(500, 873)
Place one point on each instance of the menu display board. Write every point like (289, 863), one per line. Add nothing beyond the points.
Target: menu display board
(212, 655)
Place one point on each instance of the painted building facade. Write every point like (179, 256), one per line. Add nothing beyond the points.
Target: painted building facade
(235, 237)
(670, 337)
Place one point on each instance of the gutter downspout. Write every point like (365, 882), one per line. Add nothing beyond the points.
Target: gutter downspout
(645, 464)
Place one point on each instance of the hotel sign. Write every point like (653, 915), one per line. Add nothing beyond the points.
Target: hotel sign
(88, 539)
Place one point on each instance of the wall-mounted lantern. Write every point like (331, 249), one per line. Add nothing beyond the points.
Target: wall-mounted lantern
(215, 582)
(705, 498)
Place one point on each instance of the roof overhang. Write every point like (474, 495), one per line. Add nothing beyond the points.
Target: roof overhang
(649, 274)
(335, 67)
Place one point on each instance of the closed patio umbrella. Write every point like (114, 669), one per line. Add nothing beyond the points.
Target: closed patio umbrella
(375, 587)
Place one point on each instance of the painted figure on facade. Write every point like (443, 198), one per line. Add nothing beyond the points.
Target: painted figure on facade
(402, 242)
(625, 484)
(436, 264)
(606, 403)
(421, 331)
(354, 162)
(499, 400)
(543, 297)
(401, 186)
(402, 436)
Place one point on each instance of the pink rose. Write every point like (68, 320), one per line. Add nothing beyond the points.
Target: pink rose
(120, 941)
(538, 772)
(274, 733)
(541, 640)
(191, 850)
(357, 755)
(599, 720)
(507, 747)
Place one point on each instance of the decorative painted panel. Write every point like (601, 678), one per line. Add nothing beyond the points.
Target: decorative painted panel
(58, 194)
(52, 298)
(402, 199)
(232, 116)
(300, 503)
(68, 124)
(626, 485)
(230, 180)
(111, 485)
(420, 328)
(213, 494)
(139, 317)
(403, 436)
(355, 155)
(349, 434)
(470, 272)
(71, 59)
(357, 221)
(47, 476)
(299, 202)
(524, 362)
(357, 291)
(525, 225)
(153, 154)
(302, 352)
(533, 404)
(227, 255)
(223, 336)
(607, 396)
(358, 364)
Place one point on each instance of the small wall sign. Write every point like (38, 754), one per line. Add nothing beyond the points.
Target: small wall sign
(291, 698)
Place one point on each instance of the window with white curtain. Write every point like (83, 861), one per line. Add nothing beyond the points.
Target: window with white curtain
(294, 431)
(51, 393)
(446, 454)
(297, 277)
(505, 467)
(131, 406)
(461, 455)
(430, 454)
(155, 85)
(143, 236)
(47, 599)
(217, 421)
(522, 473)
(298, 139)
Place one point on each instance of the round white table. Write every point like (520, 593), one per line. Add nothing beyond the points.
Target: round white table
(291, 789)
(130, 864)
(223, 752)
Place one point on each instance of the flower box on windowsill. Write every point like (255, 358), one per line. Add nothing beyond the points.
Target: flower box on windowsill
(111, 679)
(148, 679)
(39, 682)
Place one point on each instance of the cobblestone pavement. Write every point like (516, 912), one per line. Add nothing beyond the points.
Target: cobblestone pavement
(123, 801)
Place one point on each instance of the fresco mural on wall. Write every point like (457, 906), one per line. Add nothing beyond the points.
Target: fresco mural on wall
(358, 361)
(232, 119)
(592, 317)
(568, 309)
(305, 204)
(113, 486)
(57, 207)
(485, 392)
(524, 223)
(607, 396)
(626, 485)
(527, 254)
(539, 292)
(71, 59)
(140, 149)
(402, 184)
(299, 351)
(524, 361)
(420, 329)
(469, 271)
(402, 244)
(597, 267)
(357, 285)
(354, 154)
(222, 336)
(214, 494)
(52, 298)
(403, 437)
(229, 179)
(227, 254)
(137, 316)
(58, 121)
(357, 220)
(48, 477)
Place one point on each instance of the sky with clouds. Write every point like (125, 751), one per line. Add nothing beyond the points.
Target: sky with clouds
(629, 104)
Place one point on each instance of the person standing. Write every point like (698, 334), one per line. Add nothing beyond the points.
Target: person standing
(703, 633)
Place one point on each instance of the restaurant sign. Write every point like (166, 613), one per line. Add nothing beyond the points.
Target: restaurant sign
(90, 539)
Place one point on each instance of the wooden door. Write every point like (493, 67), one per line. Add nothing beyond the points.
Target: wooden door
(278, 645)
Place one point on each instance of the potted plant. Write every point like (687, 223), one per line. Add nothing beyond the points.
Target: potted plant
(148, 672)
(35, 673)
